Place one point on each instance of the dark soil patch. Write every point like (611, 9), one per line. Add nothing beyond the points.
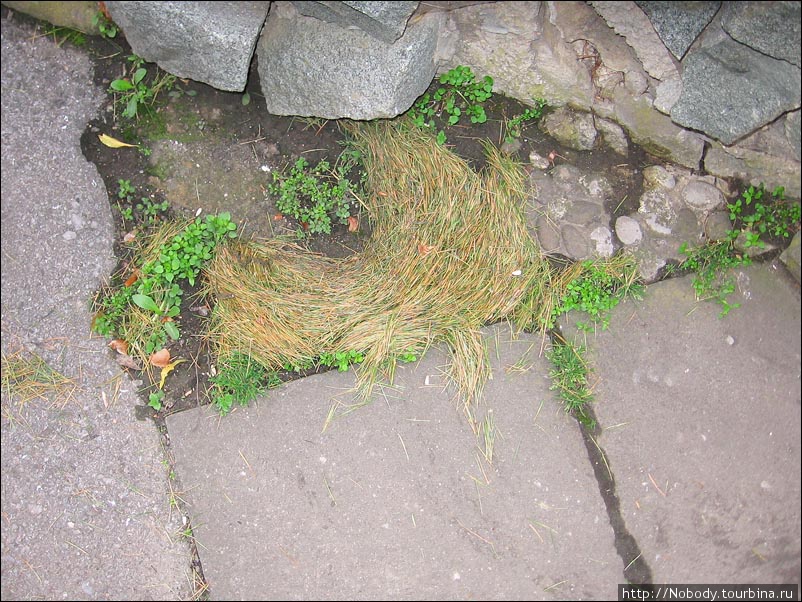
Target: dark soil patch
(207, 149)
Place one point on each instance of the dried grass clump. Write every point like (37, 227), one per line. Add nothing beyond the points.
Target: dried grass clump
(449, 253)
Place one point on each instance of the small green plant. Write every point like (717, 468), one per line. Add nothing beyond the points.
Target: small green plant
(756, 217)
(316, 195)
(65, 34)
(711, 264)
(127, 213)
(460, 94)
(570, 378)
(126, 190)
(239, 379)
(298, 366)
(158, 290)
(408, 356)
(151, 209)
(514, 127)
(148, 210)
(105, 26)
(155, 400)
(595, 287)
(341, 359)
(135, 92)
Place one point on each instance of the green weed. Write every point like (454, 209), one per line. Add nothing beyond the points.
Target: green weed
(514, 127)
(155, 400)
(341, 359)
(460, 94)
(595, 287)
(147, 210)
(755, 219)
(570, 378)
(758, 218)
(65, 34)
(711, 264)
(239, 379)
(106, 27)
(136, 91)
(316, 195)
(157, 292)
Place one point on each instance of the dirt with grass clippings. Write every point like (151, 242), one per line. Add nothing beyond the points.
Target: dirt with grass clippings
(205, 151)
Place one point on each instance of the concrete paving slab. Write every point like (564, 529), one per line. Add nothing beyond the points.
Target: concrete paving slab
(701, 427)
(86, 513)
(395, 500)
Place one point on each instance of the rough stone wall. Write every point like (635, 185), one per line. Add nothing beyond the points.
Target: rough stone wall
(705, 85)
(671, 74)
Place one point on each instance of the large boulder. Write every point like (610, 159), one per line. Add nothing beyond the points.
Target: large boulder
(211, 42)
(771, 28)
(385, 21)
(314, 68)
(75, 15)
(633, 24)
(729, 90)
(679, 23)
(518, 44)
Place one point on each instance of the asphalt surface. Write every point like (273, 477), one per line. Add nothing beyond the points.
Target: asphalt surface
(692, 477)
(86, 512)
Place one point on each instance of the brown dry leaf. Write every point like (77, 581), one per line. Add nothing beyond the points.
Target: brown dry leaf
(113, 142)
(132, 278)
(126, 361)
(129, 236)
(424, 249)
(353, 224)
(278, 217)
(120, 346)
(161, 358)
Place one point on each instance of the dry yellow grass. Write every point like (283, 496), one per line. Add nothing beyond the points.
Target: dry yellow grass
(449, 253)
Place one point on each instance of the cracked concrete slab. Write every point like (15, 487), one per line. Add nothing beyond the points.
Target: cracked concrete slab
(700, 419)
(395, 499)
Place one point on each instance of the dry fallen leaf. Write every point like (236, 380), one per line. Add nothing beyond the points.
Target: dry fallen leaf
(113, 142)
(129, 237)
(424, 249)
(201, 310)
(132, 278)
(278, 217)
(353, 224)
(166, 370)
(126, 361)
(119, 345)
(161, 358)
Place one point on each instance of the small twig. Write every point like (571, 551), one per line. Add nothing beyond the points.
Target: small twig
(404, 446)
(331, 495)
(656, 486)
(475, 534)
(531, 526)
(632, 562)
(77, 548)
(244, 459)
(555, 585)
